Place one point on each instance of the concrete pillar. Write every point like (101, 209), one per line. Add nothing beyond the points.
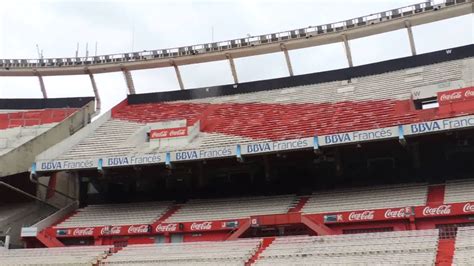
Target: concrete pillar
(178, 74)
(348, 50)
(96, 91)
(43, 88)
(232, 68)
(410, 37)
(128, 80)
(287, 58)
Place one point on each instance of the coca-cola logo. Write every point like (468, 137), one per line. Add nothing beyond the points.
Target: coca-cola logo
(201, 226)
(140, 229)
(89, 231)
(451, 96)
(456, 95)
(177, 132)
(361, 216)
(468, 207)
(440, 210)
(168, 133)
(166, 228)
(158, 134)
(114, 230)
(400, 213)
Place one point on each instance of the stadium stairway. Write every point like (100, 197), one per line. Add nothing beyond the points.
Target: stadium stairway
(435, 195)
(265, 243)
(48, 240)
(444, 256)
(168, 213)
(302, 201)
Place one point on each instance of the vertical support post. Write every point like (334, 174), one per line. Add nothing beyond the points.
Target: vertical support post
(96, 91)
(287, 58)
(178, 74)
(410, 37)
(232, 68)
(42, 87)
(128, 80)
(348, 50)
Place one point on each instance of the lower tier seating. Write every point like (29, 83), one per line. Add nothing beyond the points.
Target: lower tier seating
(464, 252)
(77, 256)
(390, 196)
(232, 208)
(195, 253)
(459, 191)
(391, 248)
(116, 214)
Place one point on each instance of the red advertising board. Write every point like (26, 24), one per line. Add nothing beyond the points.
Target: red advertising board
(459, 95)
(168, 133)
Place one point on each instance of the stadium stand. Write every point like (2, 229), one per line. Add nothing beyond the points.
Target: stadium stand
(199, 253)
(392, 248)
(464, 252)
(362, 103)
(377, 197)
(77, 256)
(232, 208)
(116, 214)
(459, 191)
(19, 127)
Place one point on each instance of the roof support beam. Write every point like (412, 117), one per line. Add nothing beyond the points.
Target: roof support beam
(96, 91)
(410, 37)
(42, 87)
(128, 80)
(178, 74)
(232, 68)
(287, 58)
(348, 50)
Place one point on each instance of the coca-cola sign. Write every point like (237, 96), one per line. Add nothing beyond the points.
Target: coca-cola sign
(201, 226)
(440, 210)
(89, 231)
(468, 207)
(108, 230)
(166, 228)
(397, 213)
(138, 229)
(168, 133)
(361, 216)
(456, 95)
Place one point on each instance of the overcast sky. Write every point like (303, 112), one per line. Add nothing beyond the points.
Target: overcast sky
(125, 26)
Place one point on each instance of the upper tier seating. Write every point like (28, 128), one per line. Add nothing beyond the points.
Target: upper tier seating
(231, 208)
(77, 256)
(367, 198)
(116, 214)
(15, 118)
(303, 111)
(387, 248)
(18, 127)
(191, 253)
(459, 191)
(464, 252)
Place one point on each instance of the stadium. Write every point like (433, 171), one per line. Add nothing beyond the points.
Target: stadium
(370, 164)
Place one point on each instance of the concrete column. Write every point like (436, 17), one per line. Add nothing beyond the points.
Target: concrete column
(96, 91)
(410, 37)
(287, 58)
(43, 88)
(348, 50)
(178, 74)
(128, 80)
(232, 68)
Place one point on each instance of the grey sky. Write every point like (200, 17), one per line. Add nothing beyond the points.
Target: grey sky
(125, 26)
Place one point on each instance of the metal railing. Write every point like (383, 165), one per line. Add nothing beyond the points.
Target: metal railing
(252, 41)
